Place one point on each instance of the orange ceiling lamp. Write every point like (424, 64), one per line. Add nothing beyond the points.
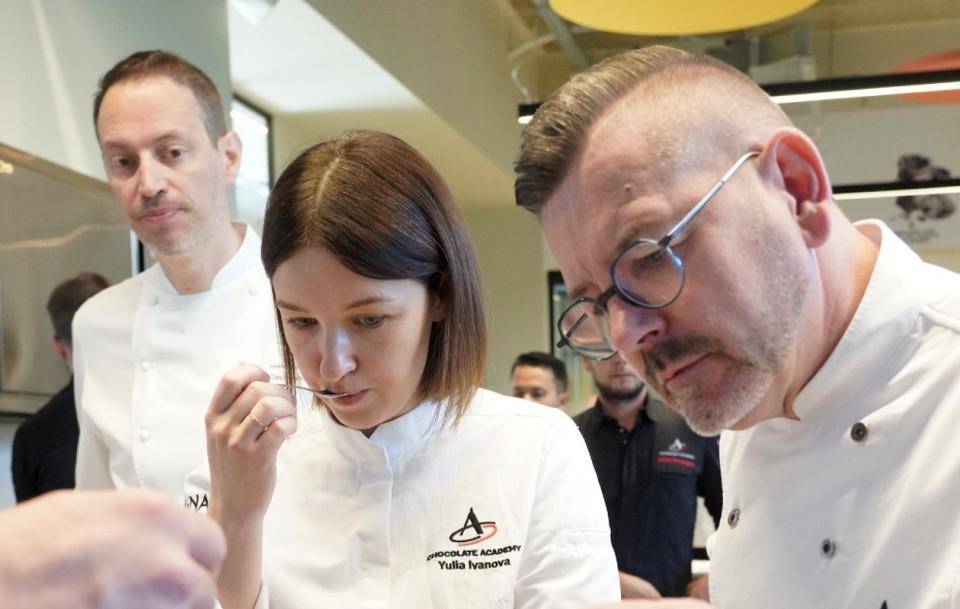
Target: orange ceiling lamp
(675, 17)
(936, 62)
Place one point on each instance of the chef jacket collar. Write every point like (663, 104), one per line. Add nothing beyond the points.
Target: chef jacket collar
(873, 341)
(389, 439)
(246, 256)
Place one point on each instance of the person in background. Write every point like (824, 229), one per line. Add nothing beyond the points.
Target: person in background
(651, 467)
(107, 550)
(406, 485)
(696, 228)
(540, 377)
(44, 453)
(148, 351)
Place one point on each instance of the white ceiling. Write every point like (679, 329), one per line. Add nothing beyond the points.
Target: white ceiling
(316, 82)
(293, 60)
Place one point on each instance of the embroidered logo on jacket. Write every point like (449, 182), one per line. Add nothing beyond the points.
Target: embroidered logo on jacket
(676, 454)
(473, 532)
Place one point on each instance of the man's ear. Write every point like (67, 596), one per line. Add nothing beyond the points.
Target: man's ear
(795, 166)
(231, 150)
(63, 349)
(564, 397)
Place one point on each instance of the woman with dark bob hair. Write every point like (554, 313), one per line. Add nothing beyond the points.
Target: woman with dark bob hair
(398, 483)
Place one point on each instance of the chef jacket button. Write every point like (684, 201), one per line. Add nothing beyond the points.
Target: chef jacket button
(153, 301)
(145, 435)
(828, 548)
(859, 432)
(733, 518)
(252, 291)
(145, 366)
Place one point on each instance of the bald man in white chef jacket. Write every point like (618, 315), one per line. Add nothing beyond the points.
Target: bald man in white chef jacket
(149, 351)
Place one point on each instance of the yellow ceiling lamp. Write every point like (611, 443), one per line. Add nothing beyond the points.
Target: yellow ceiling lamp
(675, 17)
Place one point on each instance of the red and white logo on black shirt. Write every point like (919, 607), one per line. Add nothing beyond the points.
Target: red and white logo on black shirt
(676, 454)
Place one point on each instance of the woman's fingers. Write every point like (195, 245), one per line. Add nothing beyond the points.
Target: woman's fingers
(256, 392)
(238, 393)
(233, 384)
(244, 407)
(268, 412)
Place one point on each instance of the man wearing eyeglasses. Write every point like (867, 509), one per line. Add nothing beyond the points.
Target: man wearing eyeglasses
(695, 227)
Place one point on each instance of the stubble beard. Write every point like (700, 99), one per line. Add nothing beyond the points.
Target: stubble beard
(709, 410)
(617, 396)
(200, 230)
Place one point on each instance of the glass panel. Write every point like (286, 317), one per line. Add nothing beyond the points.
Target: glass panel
(253, 180)
(54, 223)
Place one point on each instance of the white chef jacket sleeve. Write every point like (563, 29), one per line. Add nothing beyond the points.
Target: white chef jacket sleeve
(568, 561)
(93, 460)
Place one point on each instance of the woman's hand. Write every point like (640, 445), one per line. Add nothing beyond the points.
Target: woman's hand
(247, 422)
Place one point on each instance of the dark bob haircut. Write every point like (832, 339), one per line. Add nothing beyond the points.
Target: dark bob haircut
(383, 211)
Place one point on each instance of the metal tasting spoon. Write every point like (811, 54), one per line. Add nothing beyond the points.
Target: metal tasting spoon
(321, 392)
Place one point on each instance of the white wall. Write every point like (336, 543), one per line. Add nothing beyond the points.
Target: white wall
(510, 249)
(54, 52)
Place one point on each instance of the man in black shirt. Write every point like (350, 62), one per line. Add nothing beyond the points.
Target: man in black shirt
(45, 445)
(651, 467)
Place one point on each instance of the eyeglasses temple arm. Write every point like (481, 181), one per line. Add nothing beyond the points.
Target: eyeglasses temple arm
(575, 325)
(681, 226)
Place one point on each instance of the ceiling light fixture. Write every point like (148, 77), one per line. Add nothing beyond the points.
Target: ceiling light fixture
(838, 88)
(863, 86)
(525, 112)
(878, 190)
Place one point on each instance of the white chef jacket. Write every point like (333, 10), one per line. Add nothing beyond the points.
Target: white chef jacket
(147, 360)
(503, 510)
(857, 503)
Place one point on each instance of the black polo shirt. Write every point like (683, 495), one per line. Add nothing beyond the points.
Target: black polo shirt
(45, 448)
(650, 478)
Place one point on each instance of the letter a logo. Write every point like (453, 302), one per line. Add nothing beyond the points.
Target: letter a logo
(472, 522)
(473, 531)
